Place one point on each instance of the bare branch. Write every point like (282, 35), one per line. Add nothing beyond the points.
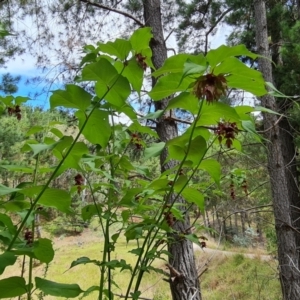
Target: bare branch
(123, 13)
(214, 26)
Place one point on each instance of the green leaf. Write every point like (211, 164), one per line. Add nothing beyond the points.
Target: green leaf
(216, 56)
(16, 168)
(97, 130)
(140, 39)
(175, 64)
(51, 197)
(153, 115)
(213, 168)
(211, 114)
(119, 48)
(134, 73)
(58, 289)
(241, 76)
(154, 150)
(38, 148)
(5, 221)
(186, 101)
(168, 85)
(191, 68)
(102, 70)
(14, 206)
(90, 211)
(250, 127)
(6, 259)
(115, 91)
(137, 127)
(83, 261)
(20, 99)
(266, 110)
(12, 287)
(193, 196)
(34, 129)
(43, 250)
(4, 190)
(73, 97)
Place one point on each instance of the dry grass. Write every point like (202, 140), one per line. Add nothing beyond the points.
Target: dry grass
(227, 277)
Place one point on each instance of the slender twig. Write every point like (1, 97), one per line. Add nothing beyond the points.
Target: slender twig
(120, 12)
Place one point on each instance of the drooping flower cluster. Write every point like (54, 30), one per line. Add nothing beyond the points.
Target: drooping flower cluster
(137, 141)
(15, 111)
(141, 61)
(79, 181)
(210, 87)
(28, 236)
(227, 131)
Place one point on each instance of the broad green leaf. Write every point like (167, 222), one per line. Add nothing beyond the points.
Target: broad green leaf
(116, 91)
(97, 130)
(73, 96)
(241, 76)
(6, 259)
(51, 197)
(244, 112)
(12, 287)
(197, 150)
(193, 238)
(134, 73)
(186, 101)
(168, 85)
(102, 70)
(57, 132)
(119, 48)
(58, 289)
(191, 68)
(213, 168)
(175, 64)
(90, 211)
(140, 39)
(83, 261)
(275, 93)
(34, 129)
(4, 190)
(154, 150)
(137, 127)
(43, 250)
(5, 221)
(38, 148)
(130, 196)
(193, 196)
(211, 114)
(20, 99)
(250, 127)
(16, 168)
(14, 206)
(216, 56)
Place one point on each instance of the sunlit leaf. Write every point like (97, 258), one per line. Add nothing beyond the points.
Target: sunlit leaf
(73, 96)
(154, 150)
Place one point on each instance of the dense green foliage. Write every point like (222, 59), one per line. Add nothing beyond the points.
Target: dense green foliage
(122, 192)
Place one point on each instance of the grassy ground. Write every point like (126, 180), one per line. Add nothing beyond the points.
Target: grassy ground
(227, 277)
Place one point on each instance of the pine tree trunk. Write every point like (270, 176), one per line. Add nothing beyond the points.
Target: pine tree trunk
(280, 184)
(185, 286)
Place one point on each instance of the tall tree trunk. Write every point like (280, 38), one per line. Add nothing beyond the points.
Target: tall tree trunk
(186, 286)
(286, 235)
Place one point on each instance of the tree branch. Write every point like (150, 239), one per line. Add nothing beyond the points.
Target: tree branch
(214, 26)
(123, 13)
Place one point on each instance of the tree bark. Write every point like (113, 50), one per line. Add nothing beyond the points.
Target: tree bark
(280, 184)
(186, 285)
